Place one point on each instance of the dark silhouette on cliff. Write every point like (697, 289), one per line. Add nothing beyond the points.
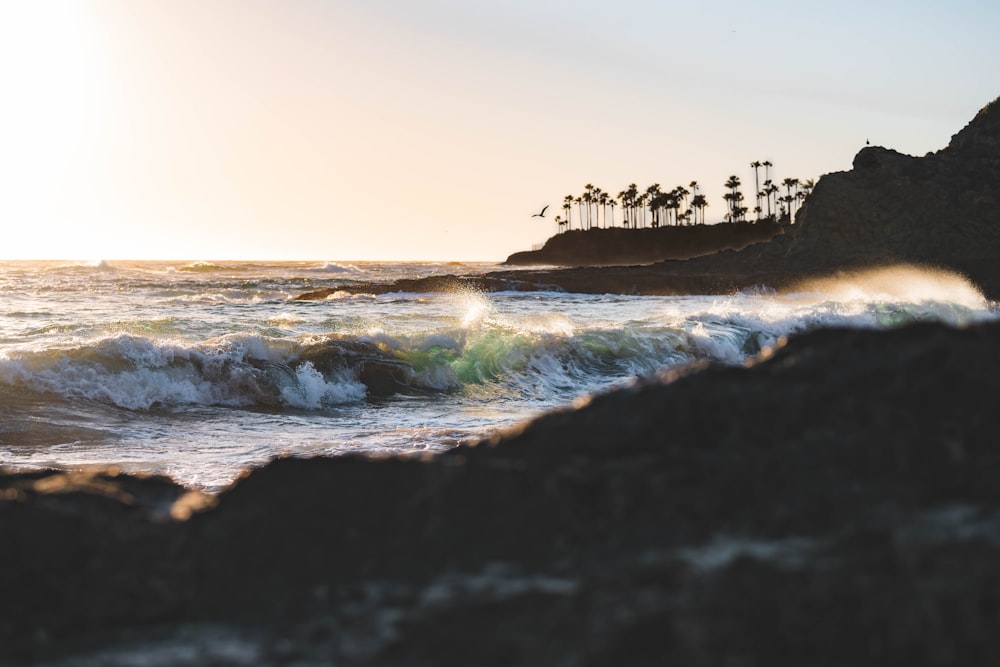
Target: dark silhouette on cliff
(618, 246)
(656, 207)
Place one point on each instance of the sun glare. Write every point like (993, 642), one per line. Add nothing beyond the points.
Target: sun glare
(49, 54)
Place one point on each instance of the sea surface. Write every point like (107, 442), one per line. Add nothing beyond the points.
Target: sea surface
(202, 370)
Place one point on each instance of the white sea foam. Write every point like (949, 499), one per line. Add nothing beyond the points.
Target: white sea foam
(311, 390)
(333, 267)
(220, 370)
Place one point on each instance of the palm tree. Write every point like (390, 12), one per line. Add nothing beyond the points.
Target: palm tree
(681, 193)
(623, 198)
(632, 196)
(769, 191)
(588, 198)
(611, 203)
(807, 187)
(790, 183)
(756, 165)
(699, 202)
(655, 199)
(695, 191)
(568, 206)
(733, 197)
(602, 202)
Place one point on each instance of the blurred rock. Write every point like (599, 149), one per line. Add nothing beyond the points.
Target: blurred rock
(835, 503)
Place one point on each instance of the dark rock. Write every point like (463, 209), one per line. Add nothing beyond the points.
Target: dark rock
(616, 246)
(941, 210)
(835, 503)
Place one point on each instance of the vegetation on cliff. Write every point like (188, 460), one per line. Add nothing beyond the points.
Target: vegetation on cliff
(655, 207)
(597, 238)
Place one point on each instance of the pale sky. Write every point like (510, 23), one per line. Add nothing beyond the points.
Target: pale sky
(433, 129)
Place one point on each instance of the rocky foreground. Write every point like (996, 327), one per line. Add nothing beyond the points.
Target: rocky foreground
(834, 504)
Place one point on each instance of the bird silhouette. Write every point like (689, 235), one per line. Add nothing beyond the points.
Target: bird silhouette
(541, 214)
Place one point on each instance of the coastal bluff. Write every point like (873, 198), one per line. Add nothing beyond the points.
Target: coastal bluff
(844, 511)
(617, 246)
(941, 210)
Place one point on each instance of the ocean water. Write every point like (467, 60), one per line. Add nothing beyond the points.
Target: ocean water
(201, 370)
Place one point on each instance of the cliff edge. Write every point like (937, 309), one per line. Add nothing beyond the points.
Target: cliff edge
(941, 209)
(618, 246)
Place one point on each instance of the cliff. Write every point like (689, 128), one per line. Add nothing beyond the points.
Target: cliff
(942, 209)
(616, 246)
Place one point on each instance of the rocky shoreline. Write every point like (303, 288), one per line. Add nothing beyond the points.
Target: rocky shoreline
(844, 512)
(941, 210)
(834, 503)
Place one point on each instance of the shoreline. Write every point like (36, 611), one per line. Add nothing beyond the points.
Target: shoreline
(838, 495)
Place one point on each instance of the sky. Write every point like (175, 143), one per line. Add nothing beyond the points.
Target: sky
(432, 130)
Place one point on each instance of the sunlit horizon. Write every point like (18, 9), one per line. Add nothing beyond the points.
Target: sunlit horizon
(300, 131)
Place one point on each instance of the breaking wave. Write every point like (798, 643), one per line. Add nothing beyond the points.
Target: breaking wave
(139, 373)
(486, 355)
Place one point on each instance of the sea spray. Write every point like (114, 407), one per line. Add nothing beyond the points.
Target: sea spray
(200, 370)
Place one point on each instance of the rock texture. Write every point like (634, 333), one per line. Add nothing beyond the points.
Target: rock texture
(608, 247)
(941, 209)
(833, 504)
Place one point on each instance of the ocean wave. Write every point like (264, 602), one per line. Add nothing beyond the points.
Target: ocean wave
(333, 267)
(483, 353)
(210, 267)
(246, 370)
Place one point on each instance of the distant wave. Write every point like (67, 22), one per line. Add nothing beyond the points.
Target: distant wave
(209, 267)
(332, 267)
(85, 266)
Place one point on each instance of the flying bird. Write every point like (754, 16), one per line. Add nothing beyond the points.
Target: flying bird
(541, 214)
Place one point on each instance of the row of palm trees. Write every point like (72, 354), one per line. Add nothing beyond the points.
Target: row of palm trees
(656, 207)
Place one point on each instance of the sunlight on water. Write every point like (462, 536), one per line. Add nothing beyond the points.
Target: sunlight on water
(199, 370)
(476, 308)
(905, 283)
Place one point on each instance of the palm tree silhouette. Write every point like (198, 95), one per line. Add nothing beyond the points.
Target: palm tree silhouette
(733, 197)
(699, 202)
(790, 183)
(681, 194)
(654, 197)
(769, 191)
(757, 164)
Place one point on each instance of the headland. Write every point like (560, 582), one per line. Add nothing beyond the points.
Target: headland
(941, 210)
(618, 246)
